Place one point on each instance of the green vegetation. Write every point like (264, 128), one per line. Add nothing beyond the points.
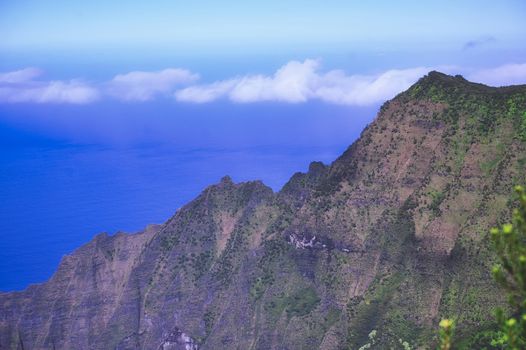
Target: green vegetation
(436, 199)
(510, 274)
(201, 263)
(110, 254)
(332, 317)
(226, 266)
(276, 306)
(300, 303)
(446, 334)
(523, 127)
(257, 288)
(510, 243)
(209, 319)
(489, 166)
(372, 340)
(168, 242)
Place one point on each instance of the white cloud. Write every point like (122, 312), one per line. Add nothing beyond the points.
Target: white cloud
(295, 82)
(302, 81)
(508, 74)
(20, 76)
(337, 87)
(205, 93)
(144, 86)
(21, 86)
(291, 83)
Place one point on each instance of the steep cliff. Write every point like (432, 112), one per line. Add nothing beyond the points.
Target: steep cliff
(390, 237)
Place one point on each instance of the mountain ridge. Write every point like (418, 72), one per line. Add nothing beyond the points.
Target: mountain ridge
(386, 237)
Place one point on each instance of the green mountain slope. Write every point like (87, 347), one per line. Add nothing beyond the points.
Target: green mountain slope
(390, 237)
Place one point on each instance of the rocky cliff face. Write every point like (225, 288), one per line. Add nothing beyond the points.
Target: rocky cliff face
(390, 237)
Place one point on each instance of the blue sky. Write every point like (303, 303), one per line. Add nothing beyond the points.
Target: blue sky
(113, 35)
(240, 26)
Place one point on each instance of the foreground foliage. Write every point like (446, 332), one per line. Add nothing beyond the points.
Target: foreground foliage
(510, 242)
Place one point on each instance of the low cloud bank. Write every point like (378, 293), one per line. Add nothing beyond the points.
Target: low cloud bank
(144, 86)
(508, 74)
(298, 82)
(22, 86)
(295, 82)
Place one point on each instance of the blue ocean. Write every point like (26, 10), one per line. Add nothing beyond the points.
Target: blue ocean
(70, 172)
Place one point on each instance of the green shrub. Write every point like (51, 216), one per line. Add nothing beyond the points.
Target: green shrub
(510, 243)
(302, 302)
(510, 273)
